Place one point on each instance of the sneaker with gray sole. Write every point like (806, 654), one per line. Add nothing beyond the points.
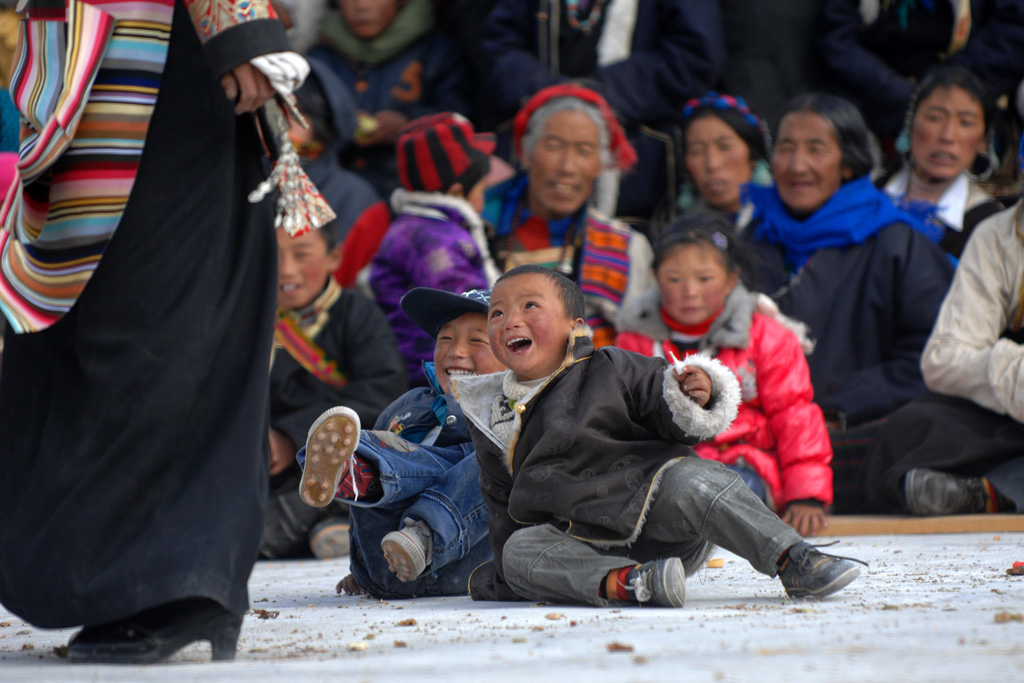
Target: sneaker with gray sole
(810, 573)
(661, 583)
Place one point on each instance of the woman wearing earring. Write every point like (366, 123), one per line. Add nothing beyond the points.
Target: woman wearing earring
(835, 254)
(726, 145)
(947, 148)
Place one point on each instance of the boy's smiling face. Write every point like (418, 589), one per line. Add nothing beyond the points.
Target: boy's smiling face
(528, 325)
(303, 266)
(462, 349)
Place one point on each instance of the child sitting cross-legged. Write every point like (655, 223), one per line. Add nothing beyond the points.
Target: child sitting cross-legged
(594, 495)
(419, 524)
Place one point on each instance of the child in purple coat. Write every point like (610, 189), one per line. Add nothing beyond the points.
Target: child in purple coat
(437, 238)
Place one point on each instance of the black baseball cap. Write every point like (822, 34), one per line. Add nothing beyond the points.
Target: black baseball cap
(431, 308)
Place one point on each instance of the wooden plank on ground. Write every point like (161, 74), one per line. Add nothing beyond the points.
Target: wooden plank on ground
(871, 525)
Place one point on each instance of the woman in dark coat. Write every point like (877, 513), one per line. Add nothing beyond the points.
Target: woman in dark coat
(133, 471)
(838, 256)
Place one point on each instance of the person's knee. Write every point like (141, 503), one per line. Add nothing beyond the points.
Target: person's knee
(521, 551)
(699, 477)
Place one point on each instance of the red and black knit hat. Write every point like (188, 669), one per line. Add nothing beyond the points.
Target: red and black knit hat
(437, 151)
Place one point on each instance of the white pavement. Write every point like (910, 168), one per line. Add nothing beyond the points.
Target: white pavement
(930, 608)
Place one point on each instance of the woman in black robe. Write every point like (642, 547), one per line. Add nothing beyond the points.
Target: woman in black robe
(132, 487)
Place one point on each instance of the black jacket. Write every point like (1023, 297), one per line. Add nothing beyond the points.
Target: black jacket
(589, 446)
(870, 308)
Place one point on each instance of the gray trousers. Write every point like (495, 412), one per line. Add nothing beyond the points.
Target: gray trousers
(699, 504)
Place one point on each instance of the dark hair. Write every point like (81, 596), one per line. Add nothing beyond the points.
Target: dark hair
(568, 292)
(312, 102)
(751, 137)
(946, 77)
(328, 233)
(851, 131)
(703, 227)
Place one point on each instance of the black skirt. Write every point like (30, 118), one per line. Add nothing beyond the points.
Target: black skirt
(945, 433)
(133, 468)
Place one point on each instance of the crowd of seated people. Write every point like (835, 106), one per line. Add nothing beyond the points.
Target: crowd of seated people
(597, 129)
(824, 251)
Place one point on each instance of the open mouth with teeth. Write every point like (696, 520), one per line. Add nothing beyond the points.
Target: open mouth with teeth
(459, 372)
(518, 345)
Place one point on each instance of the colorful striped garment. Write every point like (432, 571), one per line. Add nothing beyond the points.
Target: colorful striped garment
(86, 78)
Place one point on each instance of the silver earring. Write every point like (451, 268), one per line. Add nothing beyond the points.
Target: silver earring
(985, 163)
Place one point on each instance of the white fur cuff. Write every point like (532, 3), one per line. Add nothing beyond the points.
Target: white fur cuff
(725, 399)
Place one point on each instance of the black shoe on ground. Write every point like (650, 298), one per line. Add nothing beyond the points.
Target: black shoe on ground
(930, 493)
(155, 634)
(661, 583)
(810, 573)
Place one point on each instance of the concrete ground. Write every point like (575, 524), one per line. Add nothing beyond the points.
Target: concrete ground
(930, 608)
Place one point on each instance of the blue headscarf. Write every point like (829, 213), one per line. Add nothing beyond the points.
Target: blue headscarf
(856, 212)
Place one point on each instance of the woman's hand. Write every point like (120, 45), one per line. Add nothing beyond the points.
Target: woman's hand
(247, 86)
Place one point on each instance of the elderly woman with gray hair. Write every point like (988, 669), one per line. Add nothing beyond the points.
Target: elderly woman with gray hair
(838, 256)
(567, 136)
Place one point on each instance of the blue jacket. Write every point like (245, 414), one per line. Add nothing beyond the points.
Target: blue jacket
(427, 78)
(994, 52)
(418, 411)
(677, 50)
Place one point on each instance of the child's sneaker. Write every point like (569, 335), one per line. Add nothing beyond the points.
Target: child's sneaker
(332, 439)
(409, 550)
(809, 573)
(330, 538)
(661, 583)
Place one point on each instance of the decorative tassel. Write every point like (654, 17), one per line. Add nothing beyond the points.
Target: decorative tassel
(300, 206)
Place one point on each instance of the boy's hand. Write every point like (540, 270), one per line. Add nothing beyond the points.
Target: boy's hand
(808, 520)
(695, 383)
(348, 586)
(282, 452)
(388, 124)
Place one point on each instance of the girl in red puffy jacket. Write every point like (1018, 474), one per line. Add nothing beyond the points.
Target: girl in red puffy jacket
(778, 444)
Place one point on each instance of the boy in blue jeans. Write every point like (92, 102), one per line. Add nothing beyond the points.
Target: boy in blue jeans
(419, 524)
(594, 496)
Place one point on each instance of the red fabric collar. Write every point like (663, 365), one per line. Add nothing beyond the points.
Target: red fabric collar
(625, 156)
(698, 330)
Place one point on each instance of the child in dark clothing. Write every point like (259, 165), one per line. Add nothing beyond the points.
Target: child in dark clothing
(593, 495)
(398, 68)
(419, 524)
(331, 346)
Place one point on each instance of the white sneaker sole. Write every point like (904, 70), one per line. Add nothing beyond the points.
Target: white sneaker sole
(332, 439)
(405, 556)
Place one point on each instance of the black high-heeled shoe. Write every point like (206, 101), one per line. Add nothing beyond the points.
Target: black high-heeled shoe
(157, 633)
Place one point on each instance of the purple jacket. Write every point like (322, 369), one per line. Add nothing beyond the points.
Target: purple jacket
(435, 241)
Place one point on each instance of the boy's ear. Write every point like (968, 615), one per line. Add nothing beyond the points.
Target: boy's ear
(334, 258)
(457, 191)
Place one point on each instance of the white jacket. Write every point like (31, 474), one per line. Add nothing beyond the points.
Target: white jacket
(965, 355)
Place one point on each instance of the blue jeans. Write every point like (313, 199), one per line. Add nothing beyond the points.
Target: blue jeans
(753, 481)
(438, 485)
